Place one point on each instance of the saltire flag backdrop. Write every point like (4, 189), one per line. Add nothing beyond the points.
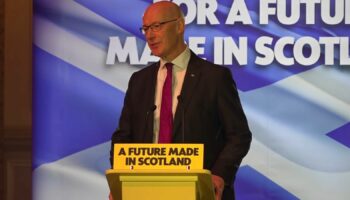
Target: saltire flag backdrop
(290, 59)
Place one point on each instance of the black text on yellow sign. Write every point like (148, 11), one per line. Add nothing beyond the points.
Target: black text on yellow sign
(158, 156)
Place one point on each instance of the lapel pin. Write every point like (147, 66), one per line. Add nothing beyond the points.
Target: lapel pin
(192, 75)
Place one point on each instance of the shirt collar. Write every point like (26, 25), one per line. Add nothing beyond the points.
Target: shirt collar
(181, 61)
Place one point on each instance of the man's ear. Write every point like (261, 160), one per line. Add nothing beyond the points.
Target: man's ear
(181, 25)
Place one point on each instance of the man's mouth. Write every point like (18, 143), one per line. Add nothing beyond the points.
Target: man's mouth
(154, 45)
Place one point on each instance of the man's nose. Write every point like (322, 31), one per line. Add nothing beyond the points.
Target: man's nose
(149, 34)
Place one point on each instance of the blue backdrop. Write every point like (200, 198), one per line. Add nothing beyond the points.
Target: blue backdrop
(299, 114)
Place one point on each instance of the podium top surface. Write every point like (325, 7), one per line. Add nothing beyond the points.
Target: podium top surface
(158, 172)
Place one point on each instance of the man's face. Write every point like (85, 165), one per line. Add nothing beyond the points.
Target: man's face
(165, 42)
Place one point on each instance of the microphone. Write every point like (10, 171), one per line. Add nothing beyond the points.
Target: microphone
(180, 103)
(150, 110)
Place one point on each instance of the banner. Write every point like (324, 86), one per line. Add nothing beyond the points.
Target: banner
(290, 60)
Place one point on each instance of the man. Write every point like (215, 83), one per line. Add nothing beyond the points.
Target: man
(204, 104)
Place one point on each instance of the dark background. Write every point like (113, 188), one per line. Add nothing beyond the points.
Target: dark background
(15, 99)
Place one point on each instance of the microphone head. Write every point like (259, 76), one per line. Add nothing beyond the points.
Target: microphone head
(153, 108)
(179, 98)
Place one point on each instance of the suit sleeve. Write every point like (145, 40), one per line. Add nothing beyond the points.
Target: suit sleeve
(123, 133)
(235, 126)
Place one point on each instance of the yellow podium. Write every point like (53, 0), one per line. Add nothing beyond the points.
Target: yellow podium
(159, 172)
(160, 185)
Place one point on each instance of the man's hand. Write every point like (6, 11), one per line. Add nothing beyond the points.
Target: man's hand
(110, 196)
(219, 185)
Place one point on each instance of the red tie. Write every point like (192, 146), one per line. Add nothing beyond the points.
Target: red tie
(166, 114)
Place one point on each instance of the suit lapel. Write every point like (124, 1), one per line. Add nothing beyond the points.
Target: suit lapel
(192, 77)
(150, 101)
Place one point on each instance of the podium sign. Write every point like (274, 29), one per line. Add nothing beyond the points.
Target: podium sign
(158, 156)
(158, 172)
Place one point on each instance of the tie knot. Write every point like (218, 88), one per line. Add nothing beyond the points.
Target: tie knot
(169, 66)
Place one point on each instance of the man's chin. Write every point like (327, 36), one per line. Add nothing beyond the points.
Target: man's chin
(153, 53)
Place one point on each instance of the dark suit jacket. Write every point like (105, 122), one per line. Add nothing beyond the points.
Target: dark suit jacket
(209, 112)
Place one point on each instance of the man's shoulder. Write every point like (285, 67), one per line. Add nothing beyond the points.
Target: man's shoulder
(208, 65)
(149, 69)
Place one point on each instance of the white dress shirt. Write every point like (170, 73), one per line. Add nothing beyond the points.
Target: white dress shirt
(179, 71)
